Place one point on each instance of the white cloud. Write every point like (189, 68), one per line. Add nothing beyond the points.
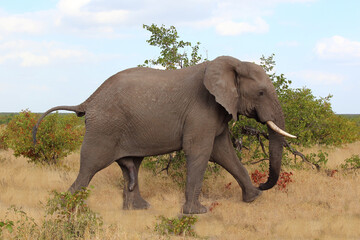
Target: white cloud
(31, 53)
(231, 28)
(29, 59)
(338, 48)
(66, 53)
(72, 7)
(114, 16)
(94, 17)
(26, 59)
(77, 12)
(19, 24)
(318, 77)
(228, 17)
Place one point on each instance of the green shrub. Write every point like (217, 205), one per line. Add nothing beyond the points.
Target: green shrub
(68, 217)
(319, 160)
(353, 117)
(57, 136)
(21, 226)
(6, 117)
(174, 165)
(8, 225)
(313, 120)
(177, 226)
(351, 163)
(3, 137)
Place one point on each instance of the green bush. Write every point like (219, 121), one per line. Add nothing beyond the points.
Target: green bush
(313, 120)
(68, 217)
(6, 117)
(21, 227)
(3, 137)
(177, 226)
(319, 160)
(57, 136)
(8, 225)
(351, 163)
(353, 117)
(174, 165)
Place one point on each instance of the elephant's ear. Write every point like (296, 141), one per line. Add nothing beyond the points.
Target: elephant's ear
(221, 81)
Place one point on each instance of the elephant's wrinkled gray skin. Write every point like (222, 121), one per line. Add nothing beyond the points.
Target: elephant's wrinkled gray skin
(143, 112)
(130, 167)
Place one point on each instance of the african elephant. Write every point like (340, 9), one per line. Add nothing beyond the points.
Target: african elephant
(143, 112)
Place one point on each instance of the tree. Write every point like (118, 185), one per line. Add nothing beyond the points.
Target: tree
(167, 39)
(58, 136)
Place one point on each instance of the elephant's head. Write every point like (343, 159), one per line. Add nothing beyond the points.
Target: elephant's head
(244, 88)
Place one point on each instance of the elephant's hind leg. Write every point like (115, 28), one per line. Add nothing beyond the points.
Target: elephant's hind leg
(94, 156)
(131, 194)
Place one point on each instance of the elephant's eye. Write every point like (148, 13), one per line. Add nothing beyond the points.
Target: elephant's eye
(261, 93)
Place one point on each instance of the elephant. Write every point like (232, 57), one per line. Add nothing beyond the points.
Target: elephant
(142, 112)
(130, 166)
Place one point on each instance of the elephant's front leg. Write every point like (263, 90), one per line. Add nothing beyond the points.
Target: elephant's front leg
(131, 194)
(197, 155)
(225, 155)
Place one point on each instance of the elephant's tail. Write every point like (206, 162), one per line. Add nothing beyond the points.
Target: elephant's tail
(77, 109)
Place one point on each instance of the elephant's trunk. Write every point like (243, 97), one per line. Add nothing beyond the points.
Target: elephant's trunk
(276, 143)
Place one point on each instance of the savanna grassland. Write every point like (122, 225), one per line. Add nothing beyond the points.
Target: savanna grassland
(315, 205)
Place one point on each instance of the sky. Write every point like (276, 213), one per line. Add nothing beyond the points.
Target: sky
(57, 52)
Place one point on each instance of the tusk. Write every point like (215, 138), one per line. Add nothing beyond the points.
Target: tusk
(273, 126)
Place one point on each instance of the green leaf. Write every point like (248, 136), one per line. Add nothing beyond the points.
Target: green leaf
(173, 52)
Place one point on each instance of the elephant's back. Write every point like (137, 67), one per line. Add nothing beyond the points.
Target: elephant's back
(146, 84)
(145, 94)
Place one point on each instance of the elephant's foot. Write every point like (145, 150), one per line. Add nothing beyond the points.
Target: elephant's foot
(251, 195)
(194, 208)
(134, 201)
(140, 204)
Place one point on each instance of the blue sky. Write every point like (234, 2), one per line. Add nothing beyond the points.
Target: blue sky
(57, 52)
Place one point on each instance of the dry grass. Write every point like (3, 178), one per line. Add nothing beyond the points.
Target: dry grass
(315, 206)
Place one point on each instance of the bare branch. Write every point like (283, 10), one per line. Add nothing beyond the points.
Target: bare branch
(168, 165)
(250, 131)
(259, 161)
(297, 153)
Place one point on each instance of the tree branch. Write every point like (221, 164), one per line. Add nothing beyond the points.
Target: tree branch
(297, 153)
(168, 165)
(250, 131)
